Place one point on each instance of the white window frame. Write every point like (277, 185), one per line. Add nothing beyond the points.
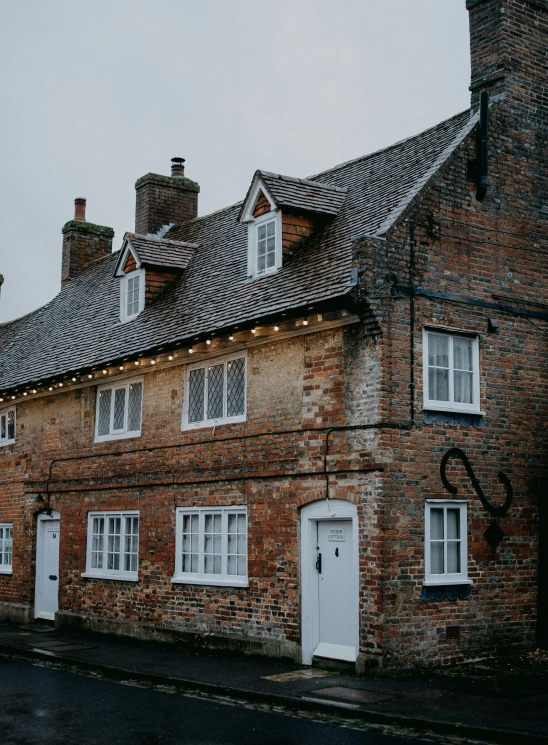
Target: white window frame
(253, 232)
(103, 573)
(5, 568)
(452, 405)
(5, 413)
(447, 578)
(200, 578)
(118, 434)
(124, 317)
(219, 420)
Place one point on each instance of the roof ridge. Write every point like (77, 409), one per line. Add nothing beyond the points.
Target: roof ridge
(388, 147)
(163, 240)
(305, 181)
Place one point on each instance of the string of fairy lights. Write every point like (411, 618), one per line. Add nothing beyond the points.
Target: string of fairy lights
(180, 351)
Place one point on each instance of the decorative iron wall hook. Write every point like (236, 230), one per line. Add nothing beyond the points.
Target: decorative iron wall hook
(491, 509)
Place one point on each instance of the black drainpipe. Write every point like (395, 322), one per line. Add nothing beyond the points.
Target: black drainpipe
(542, 580)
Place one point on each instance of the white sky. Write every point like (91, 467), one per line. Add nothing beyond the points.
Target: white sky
(95, 94)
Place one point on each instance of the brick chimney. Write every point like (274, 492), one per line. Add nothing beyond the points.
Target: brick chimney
(163, 200)
(83, 242)
(508, 41)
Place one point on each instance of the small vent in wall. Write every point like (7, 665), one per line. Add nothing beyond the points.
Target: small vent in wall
(452, 632)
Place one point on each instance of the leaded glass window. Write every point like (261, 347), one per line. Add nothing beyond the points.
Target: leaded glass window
(216, 392)
(119, 410)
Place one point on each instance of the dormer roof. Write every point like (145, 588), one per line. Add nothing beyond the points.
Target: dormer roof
(294, 193)
(163, 253)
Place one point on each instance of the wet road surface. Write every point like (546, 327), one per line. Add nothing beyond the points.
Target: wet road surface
(41, 705)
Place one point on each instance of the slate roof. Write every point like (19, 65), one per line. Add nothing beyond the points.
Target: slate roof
(161, 252)
(80, 327)
(303, 194)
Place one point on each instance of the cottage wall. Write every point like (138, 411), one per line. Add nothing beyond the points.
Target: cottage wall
(492, 251)
(273, 463)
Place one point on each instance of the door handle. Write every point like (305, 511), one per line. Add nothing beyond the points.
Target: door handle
(53, 576)
(319, 563)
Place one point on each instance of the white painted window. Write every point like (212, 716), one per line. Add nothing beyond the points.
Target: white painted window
(132, 294)
(451, 372)
(215, 392)
(266, 243)
(211, 546)
(118, 411)
(6, 548)
(7, 426)
(113, 545)
(446, 552)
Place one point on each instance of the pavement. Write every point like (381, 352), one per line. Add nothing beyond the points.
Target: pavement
(501, 701)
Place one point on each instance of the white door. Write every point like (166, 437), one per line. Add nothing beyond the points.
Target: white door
(337, 577)
(47, 569)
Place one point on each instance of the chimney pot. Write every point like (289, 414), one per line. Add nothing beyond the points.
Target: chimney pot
(177, 167)
(80, 209)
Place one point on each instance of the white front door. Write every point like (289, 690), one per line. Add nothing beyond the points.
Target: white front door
(336, 569)
(330, 581)
(46, 602)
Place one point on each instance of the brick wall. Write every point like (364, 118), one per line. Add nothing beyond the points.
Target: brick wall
(494, 251)
(293, 384)
(262, 206)
(163, 200)
(83, 242)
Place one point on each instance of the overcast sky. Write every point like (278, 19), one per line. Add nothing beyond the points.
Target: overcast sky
(95, 94)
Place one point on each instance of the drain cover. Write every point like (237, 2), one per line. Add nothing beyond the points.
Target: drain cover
(297, 675)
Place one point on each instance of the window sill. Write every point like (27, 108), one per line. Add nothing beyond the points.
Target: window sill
(6, 442)
(119, 577)
(210, 582)
(452, 409)
(6, 571)
(213, 423)
(123, 436)
(442, 582)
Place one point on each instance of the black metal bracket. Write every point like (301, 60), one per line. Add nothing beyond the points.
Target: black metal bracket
(491, 509)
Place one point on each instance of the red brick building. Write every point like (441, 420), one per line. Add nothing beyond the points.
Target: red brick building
(312, 423)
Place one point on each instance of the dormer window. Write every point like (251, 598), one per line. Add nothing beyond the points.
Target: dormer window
(266, 238)
(162, 259)
(281, 212)
(132, 295)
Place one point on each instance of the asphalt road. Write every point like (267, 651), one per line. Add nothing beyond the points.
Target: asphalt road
(42, 706)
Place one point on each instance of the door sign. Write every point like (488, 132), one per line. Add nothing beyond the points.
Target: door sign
(336, 534)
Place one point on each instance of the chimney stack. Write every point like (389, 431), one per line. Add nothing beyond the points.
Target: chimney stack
(80, 209)
(83, 242)
(165, 200)
(508, 42)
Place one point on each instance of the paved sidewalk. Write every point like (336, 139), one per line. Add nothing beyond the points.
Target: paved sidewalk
(503, 702)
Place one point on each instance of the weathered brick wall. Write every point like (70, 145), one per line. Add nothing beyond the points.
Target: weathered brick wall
(494, 251)
(508, 54)
(83, 242)
(262, 205)
(296, 389)
(162, 200)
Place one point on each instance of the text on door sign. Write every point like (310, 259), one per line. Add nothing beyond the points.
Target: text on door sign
(336, 534)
